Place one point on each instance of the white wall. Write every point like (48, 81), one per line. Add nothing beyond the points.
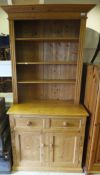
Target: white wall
(5, 69)
(20, 2)
(71, 1)
(93, 20)
(4, 28)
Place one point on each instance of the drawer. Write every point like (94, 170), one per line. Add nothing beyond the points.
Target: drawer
(29, 122)
(65, 123)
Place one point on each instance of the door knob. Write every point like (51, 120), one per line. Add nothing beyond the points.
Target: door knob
(51, 146)
(42, 145)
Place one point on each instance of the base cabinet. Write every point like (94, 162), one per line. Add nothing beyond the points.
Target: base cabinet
(56, 146)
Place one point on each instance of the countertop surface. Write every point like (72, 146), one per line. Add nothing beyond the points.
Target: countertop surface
(48, 107)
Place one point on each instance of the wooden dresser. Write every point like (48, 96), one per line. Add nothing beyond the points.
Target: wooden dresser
(47, 135)
(92, 102)
(47, 121)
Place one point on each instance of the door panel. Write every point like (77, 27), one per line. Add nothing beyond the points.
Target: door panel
(97, 158)
(28, 148)
(64, 149)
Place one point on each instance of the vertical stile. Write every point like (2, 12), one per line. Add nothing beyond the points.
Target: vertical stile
(80, 61)
(13, 58)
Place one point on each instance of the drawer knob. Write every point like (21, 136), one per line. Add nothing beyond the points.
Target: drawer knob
(42, 145)
(51, 146)
(29, 123)
(65, 124)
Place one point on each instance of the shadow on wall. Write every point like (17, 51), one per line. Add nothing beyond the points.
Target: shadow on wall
(91, 42)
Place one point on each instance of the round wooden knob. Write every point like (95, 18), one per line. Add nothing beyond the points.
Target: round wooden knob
(51, 146)
(42, 145)
(65, 124)
(27, 147)
(29, 123)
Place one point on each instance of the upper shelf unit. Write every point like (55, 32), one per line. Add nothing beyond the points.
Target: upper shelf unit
(47, 50)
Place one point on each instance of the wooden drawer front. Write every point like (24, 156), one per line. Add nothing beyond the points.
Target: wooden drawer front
(29, 122)
(65, 123)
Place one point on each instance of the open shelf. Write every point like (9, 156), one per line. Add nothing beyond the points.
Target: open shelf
(47, 28)
(45, 91)
(46, 51)
(48, 39)
(48, 62)
(47, 82)
(46, 73)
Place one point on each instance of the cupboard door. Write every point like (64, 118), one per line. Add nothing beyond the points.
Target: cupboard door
(97, 157)
(29, 148)
(93, 155)
(94, 161)
(64, 149)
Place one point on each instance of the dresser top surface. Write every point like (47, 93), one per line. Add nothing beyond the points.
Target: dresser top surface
(48, 8)
(48, 107)
(47, 11)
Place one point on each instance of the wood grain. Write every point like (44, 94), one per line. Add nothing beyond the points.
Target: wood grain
(48, 107)
(92, 102)
(13, 58)
(43, 11)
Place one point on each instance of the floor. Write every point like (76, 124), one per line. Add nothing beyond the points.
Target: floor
(44, 173)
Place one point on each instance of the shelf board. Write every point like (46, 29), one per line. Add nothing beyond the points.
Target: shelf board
(48, 39)
(48, 62)
(48, 82)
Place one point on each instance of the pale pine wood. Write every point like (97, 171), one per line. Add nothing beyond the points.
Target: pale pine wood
(80, 61)
(47, 51)
(95, 147)
(64, 149)
(12, 126)
(45, 92)
(65, 123)
(13, 58)
(45, 169)
(46, 15)
(28, 121)
(38, 29)
(82, 137)
(47, 81)
(47, 148)
(48, 62)
(47, 107)
(28, 146)
(43, 11)
(93, 150)
(47, 39)
(46, 73)
(98, 145)
(47, 7)
(89, 85)
(47, 127)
